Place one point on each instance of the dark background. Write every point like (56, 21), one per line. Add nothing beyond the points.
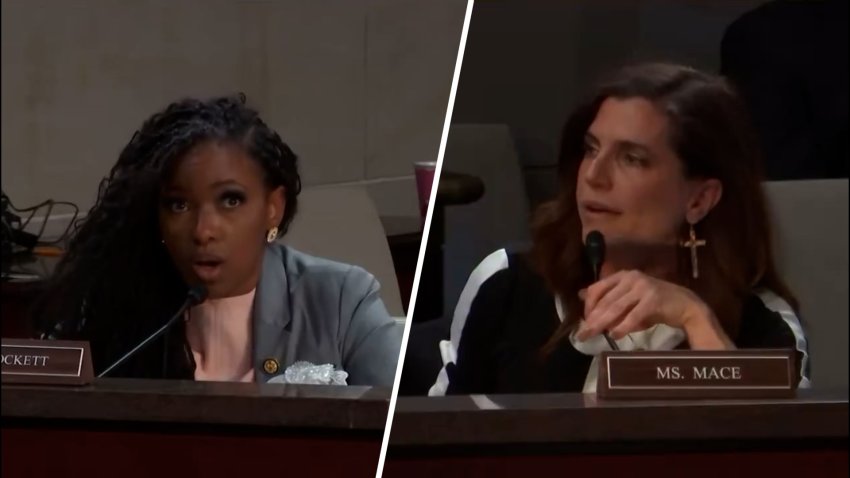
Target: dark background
(526, 64)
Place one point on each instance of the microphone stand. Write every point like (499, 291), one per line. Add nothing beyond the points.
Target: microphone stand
(611, 343)
(196, 296)
(594, 247)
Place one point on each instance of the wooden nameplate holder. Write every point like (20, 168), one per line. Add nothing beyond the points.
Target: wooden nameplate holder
(48, 362)
(767, 373)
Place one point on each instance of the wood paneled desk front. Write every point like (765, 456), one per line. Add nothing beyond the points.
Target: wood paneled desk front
(129, 428)
(579, 435)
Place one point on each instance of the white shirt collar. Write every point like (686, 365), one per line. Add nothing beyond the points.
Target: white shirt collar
(657, 337)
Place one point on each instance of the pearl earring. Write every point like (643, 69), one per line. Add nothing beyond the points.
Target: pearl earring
(272, 235)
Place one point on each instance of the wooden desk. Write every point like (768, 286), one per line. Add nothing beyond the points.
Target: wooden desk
(128, 428)
(576, 434)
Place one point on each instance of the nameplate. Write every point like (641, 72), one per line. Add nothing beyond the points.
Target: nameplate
(59, 362)
(694, 374)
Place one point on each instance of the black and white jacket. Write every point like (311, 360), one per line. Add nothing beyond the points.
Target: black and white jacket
(506, 314)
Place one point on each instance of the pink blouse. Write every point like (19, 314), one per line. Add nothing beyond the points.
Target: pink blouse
(219, 333)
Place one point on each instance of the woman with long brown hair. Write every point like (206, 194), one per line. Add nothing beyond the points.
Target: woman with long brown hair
(663, 164)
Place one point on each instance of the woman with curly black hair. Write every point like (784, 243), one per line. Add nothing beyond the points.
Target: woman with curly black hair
(198, 198)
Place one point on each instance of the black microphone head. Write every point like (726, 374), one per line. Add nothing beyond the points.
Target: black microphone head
(197, 294)
(594, 247)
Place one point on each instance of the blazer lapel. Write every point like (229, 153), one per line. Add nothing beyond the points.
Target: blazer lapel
(271, 316)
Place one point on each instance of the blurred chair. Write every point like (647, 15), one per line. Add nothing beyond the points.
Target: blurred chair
(341, 223)
(810, 227)
(499, 219)
(454, 190)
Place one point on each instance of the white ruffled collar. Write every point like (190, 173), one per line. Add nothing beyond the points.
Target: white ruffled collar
(657, 337)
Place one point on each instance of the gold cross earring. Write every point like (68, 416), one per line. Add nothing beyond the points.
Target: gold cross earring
(692, 243)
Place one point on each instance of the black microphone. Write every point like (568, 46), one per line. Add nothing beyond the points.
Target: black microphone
(594, 247)
(195, 296)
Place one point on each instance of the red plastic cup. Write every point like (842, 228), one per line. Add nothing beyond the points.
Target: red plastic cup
(424, 182)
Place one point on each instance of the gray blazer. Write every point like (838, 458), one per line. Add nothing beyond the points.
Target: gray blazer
(313, 309)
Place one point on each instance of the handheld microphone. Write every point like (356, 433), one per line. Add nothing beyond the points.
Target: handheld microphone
(594, 247)
(195, 296)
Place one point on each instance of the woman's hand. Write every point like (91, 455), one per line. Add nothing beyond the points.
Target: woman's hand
(628, 301)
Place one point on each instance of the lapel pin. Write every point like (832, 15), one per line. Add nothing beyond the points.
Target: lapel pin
(271, 366)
